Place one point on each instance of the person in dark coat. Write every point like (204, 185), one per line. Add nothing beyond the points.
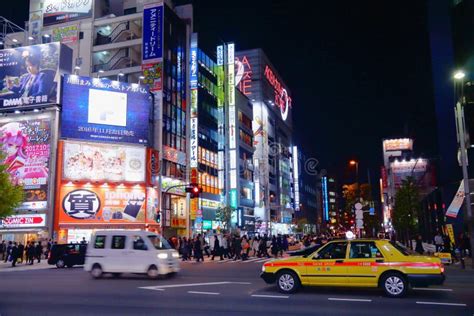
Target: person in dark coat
(198, 249)
(31, 253)
(419, 245)
(274, 247)
(8, 251)
(21, 250)
(38, 251)
(14, 254)
(237, 245)
(217, 248)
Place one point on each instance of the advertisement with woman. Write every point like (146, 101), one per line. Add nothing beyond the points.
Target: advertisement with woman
(26, 146)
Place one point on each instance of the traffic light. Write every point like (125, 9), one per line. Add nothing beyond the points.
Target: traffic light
(194, 189)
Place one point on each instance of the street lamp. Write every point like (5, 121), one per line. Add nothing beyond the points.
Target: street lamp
(120, 74)
(461, 134)
(99, 73)
(140, 79)
(356, 164)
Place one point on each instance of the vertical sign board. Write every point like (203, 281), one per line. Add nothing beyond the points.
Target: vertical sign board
(220, 119)
(193, 82)
(296, 178)
(232, 118)
(152, 47)
(325, 198)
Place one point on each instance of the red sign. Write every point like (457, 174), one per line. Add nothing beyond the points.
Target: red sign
(27, 220)
(243, 76)
(282, 99)
(383, 173)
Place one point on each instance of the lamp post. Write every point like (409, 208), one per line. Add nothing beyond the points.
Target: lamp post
(356, 164)
(461, 133)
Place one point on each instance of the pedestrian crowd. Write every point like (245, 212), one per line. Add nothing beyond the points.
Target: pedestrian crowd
(18, 253)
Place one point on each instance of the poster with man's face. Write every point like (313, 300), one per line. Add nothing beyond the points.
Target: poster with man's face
(26, 146)
(29, 76)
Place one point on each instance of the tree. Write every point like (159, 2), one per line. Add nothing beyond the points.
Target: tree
(406, 208)
(11, 195)
(225, 216)
(300, 224)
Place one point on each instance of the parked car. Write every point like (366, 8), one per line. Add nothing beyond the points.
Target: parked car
(120, 251)
(67, 255)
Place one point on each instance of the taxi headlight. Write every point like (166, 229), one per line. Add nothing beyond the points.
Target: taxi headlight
(175, 255)
(162, 256)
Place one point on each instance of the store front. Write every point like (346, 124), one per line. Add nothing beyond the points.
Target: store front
(173, 207)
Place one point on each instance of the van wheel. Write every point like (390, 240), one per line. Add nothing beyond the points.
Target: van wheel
(394, 284)
(288, 282)
(96, 271)
(60, 264)
(152, 272)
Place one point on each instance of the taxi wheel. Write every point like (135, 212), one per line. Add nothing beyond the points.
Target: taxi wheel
(288, 282)
(394, 284)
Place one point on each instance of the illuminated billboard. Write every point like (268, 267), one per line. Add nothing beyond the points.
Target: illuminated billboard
(94, 204)
(397, 144)
(26, 143)
(104, 110)
(29, 76)
(61, 11)
(104, 163)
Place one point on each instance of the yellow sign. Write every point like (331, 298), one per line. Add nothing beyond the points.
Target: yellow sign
(449, 228)
(194, 208)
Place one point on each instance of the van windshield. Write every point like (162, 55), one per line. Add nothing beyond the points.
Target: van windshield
(159, 242)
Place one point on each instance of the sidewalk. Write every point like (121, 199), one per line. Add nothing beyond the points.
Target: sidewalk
(7, 266)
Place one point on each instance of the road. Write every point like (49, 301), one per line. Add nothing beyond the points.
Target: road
(214, 288)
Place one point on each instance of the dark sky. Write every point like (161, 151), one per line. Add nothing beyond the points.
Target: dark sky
(359, 71)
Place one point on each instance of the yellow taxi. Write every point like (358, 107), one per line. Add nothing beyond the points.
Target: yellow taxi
(356, 263)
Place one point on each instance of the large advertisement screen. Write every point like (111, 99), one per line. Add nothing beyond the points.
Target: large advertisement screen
(61, 11)
(29, 75)
(104, 110)
(105, 163)
(26, 144)
(102, 205)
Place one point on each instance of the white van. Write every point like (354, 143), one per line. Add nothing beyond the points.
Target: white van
(128, 251)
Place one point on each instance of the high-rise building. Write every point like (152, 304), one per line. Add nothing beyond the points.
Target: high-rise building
(259, 80)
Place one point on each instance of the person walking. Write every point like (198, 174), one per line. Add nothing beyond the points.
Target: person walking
(38, 251)
(8, 251)
(217, 249)
(183, 248)
(31, 253)
(255, 242)
(198, 249)
(274, 247)
(419, 245)
(237, 245)
(21, 252)
(245, 248)
(438, 241)
(14, 254)
(3, 249)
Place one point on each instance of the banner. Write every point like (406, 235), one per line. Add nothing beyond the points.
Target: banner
(152, 49)
(456, 204)
(61, 11)
(101, 205)
(105, 110)
(24, 221)
(153, 76)
(26, 144)
(29, 76)
(65, 34)
(104, 163)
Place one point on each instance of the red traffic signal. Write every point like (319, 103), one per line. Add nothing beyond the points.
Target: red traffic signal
(194, 189)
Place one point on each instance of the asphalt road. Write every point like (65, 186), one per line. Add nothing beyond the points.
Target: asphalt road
(214, 289)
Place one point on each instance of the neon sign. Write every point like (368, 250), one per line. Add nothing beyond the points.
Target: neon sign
(282, 99)
(243, 76)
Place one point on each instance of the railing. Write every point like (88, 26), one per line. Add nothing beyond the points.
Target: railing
(119, 29)
(122, 53)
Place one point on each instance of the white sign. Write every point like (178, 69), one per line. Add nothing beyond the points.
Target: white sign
(194, 143)
(100, 162)
(296, 178)
(107, 107)
(398, 144)
(24, 221)
(456, 204)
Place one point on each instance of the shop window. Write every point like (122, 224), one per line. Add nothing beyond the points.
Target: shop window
(139, 243)
(99, 242)
(118, 242)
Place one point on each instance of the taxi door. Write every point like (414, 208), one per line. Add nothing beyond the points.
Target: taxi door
(327, 266)
(363, 263)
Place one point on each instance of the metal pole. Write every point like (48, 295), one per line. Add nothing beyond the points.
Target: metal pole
(462, 146)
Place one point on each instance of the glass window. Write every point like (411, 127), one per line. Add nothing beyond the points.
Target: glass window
(118, 242)
(364, 250)
(99, 242)
(335, 250)
(159, 242)
(139, 243)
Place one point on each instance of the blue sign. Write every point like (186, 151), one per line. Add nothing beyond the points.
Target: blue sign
(96, 109)
(152, 49)
(325, 198)
(193, 67)
(233, 198)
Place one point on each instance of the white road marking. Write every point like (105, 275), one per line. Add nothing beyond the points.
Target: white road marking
(270, 296)
(251, 260)
(432, 289)
(349, 299)
(265, 260)
(224, 261)
(161, 287)
(438, 303)
(204, 293)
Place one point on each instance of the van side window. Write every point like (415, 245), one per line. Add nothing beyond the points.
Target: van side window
(118, 242)
(139, 243)
(99, 242)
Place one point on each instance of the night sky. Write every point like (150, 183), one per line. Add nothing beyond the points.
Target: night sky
(359, 71)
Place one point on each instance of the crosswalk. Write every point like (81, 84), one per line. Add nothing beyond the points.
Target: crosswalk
(228, 261)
